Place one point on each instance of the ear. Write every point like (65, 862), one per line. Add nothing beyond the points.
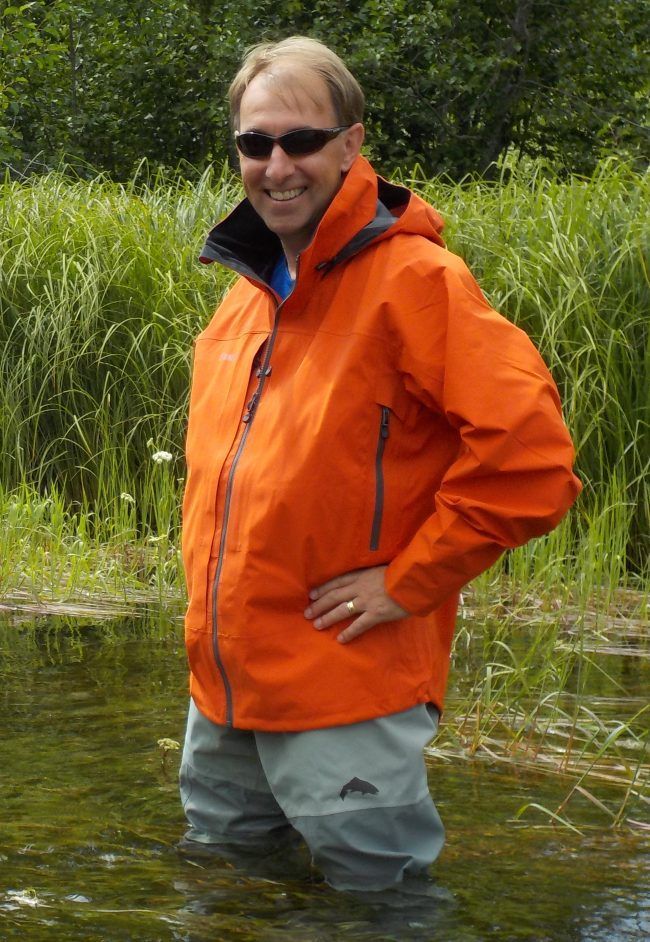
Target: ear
(352, 145)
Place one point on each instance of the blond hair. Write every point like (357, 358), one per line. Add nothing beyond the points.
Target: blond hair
(345, 92)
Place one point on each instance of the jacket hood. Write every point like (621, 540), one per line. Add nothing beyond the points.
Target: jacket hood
(367, 208)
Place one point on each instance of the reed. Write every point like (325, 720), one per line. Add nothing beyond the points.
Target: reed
(100, 299)
(562, 693)
(567, 259)
(101, 296)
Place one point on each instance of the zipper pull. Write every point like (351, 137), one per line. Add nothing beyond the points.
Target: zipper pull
(250, 408)
(261, 372)
(385, 419)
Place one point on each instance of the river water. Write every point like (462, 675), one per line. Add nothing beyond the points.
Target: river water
(89, 816)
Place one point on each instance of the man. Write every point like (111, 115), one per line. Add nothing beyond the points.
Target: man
(366, 435)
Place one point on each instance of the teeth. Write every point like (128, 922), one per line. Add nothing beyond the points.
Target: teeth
(285, 194)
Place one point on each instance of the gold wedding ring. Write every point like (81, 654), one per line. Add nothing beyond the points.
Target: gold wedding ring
(350, 607)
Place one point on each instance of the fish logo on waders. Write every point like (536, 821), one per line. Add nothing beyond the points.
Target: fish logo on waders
(358, 785)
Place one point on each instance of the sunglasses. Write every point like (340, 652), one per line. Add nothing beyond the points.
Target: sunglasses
(298, 143)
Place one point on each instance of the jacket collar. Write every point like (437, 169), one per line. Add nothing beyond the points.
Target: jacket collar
(363, 210)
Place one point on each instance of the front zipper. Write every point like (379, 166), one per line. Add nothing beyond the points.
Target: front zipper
(262, 374)
(384, 431)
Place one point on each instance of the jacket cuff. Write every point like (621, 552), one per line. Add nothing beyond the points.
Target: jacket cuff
(420, 584)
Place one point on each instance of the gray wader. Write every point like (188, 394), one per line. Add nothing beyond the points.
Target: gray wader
(357, 794)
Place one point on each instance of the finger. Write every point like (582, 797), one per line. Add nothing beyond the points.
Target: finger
(339, 582)
(358, 627)
(340, 612)
(331, 600)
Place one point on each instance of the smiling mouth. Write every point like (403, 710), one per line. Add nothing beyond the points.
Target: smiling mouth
(281, 196)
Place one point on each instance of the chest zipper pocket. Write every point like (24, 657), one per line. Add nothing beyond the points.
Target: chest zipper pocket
(384, 432)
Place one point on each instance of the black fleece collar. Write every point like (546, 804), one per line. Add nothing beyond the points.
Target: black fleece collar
(244, 243)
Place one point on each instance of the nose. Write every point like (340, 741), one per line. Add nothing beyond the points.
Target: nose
(279, 165)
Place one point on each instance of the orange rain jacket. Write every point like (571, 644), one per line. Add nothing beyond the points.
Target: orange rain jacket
(382, 414)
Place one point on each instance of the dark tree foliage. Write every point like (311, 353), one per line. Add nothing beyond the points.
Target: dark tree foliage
(451, 85)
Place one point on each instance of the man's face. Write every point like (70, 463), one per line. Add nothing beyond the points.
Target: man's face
(291, 194)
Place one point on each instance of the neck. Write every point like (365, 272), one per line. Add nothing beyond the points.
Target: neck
(291, 255)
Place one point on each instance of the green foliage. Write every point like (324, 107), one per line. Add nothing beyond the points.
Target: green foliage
(567, 261)
(101, 297)
(450, 85)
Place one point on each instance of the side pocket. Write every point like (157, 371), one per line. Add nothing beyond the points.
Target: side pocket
(384, 432)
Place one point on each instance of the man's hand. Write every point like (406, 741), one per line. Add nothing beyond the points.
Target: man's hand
(360, 593)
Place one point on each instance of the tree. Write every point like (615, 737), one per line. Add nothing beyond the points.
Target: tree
(451, 85)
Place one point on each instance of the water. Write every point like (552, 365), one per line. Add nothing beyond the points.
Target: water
(90, 815)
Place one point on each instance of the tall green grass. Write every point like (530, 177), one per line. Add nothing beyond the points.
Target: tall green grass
(101, 296)
(568, 260)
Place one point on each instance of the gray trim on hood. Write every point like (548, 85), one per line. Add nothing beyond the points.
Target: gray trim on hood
(383, 220)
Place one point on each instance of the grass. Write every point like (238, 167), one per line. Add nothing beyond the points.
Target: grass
(101, 296)
(568, 261)
(561, 692)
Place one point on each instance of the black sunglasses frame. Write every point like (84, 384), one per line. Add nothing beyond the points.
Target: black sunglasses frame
(319, 138)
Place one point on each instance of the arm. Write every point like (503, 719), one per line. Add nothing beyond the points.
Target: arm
(511, 479)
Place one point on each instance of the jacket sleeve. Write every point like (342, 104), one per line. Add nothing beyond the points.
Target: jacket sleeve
(512, 478)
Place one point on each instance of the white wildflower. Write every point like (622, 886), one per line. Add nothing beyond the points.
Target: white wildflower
(169, 745)
(127, 497)
(160, 456)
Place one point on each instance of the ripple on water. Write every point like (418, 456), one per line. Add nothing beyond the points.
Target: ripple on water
(91, 816)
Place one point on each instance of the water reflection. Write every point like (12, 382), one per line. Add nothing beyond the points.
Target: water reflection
(90, 818)
(318, 913)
